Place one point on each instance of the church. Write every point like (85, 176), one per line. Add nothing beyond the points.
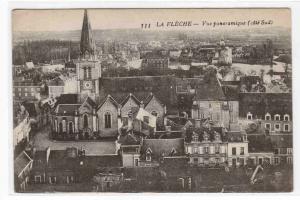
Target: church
(102, 106)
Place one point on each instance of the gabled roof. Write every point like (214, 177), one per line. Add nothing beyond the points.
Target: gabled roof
(209, 89)
(149, 98)
(130, 96)
(111, 99)
(21, 162)
(89, 101)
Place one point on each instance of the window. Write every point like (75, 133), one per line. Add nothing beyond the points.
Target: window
(89, 72)
(268, 126)
(60, 127)
(146, 119)
(276, 161)
(277, 127)
(233, 151)
(136, 162)
(25, 94)
(276, 151)
(85, 121)
(195, 160)
(289, 151)
(37, 179)
(206, 150)
(195, 150)
(289, 160)
(84, 73)
(71, 128)
(70, 179)
(217, 149)
(277, 117)
(148, 156)
(286, 117)
(286, 127)
(249, 116)
(195, 137)
(52, 179)
(242, 151)
(205, 137)
(154, 113)
(267, 117)
(107, 120)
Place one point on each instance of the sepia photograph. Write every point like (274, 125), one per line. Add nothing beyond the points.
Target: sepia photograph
(168, 100)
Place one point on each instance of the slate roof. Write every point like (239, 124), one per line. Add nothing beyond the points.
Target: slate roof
(261, 103)
(209, 90)
(20, 162)
(39, 160)
(211, 133)
(100, 161)
(163, 146)
(58, 160)
(235, 136)
(162, 87)
(259, 143)
(67, 109)
(282, 141)
(68, 99)
(130, 96)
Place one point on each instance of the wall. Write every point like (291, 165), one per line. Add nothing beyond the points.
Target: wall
(111, 108)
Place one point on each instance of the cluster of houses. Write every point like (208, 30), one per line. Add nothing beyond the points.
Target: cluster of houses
(161, 125)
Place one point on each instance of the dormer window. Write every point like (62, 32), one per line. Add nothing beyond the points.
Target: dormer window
(277, 117)
(173, 152)
(217, 136)
(148, 154)
(195, 137)
(249, 116)
(286, 117)
(205, 136)
(268, 117)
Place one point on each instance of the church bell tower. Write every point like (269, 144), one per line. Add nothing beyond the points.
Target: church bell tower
(88, 68)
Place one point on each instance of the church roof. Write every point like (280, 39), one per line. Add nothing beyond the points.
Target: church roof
(162, 88)
(87, 43)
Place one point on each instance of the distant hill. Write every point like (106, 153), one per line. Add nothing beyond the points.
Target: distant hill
(281, 37)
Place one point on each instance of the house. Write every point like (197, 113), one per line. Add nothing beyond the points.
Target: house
(26, 89)
(155, 60)
(207, 147)
(22, 169)
(153, 151)
(260, 150)
(55, 87)
(22, 126)
(283, 149)
(210, 102)
(237, 149)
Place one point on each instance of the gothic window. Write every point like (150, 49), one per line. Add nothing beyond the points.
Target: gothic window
(85, 121)
(195, 137)
(70, 127)
(60, 127)
(107, 120)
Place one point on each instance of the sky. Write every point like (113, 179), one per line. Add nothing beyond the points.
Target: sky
(65, 20)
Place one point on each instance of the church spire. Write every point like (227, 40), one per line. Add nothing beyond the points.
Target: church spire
(87, 43)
